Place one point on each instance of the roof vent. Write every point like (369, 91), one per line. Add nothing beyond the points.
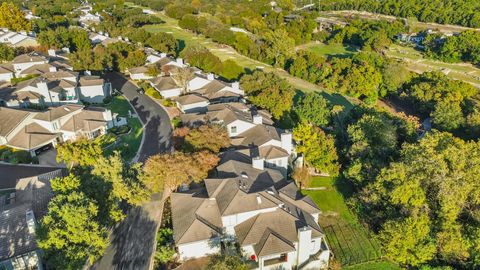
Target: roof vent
(244, 175)
(259, 199)
(67, 109)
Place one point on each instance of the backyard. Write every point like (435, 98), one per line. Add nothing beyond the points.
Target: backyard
(351, 243)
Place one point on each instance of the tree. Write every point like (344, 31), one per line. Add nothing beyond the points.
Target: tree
(409, 242)
(12, 17)
(81, 152)
(122, 178)
(424, 183)
(199, 139)
(313, 108)
(163, 42)
(134, 59)
(226, 262)
(69, 233)
(164, 173)
(447, 115)
(317, 147)
(7, 53)
(202, 58)
(231, 70)
(182, 77)
(302, 177)
(279, 47)
(268, 91)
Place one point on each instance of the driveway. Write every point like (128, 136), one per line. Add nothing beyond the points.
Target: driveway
(49, 158)
(132, 241)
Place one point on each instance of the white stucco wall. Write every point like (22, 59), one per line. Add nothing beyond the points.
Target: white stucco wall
(196, 250)
(194, 107)
(6, 77)
(140, 76)
(171, 93)
(92, 94)
(241, 126)
(230, 221)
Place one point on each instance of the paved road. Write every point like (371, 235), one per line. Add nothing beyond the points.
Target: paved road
(132, 242)
(158, 129)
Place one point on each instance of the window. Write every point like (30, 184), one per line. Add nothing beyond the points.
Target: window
(233, 129)
(55, 125)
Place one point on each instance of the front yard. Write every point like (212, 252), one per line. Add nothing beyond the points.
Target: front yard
(128, 143)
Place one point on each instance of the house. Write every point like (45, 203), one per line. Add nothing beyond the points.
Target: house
(251, 133)
(192, 103)
(50, 89)
(139, 73)
(93, 89)
(256, 208)
(16, 39)
(220, 92)
(89, 18)
(6, 72)
(24, 61)
(25, 195)
(167, 86)
(37, 131)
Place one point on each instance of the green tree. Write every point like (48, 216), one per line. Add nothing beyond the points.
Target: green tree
(231, 70)
(317, 147)
(409, 242)
(7, 53)
(163, 42)
(200, 138)
(313, 108)
(268, 91)
(279, 47)
(12, 17)
(69, 233)
(81, 152)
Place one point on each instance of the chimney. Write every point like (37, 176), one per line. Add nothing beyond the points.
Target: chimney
(66, 50)
(236, 85)
(257, 119)
(258, 163)
(52, 69)
(210, 77)
(286, 140)
(304, 244)
(52, 52)
(179, 61)
(162, 55)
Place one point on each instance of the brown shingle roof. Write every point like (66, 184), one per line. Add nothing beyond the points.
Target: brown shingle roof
(32, 136)
(90, 81)
(257, 136)
(164, 83)
(272, 243)
(10, 119)
(190, 99)
(58, 112)
(6, 68)
(194, 218)
(87, 120)
(28, 58)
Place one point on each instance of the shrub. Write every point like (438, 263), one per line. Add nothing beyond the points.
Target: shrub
(151, 92)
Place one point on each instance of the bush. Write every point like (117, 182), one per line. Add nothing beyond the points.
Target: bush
(120, 130)
(107, 100)
(168, 103)
(151, 92)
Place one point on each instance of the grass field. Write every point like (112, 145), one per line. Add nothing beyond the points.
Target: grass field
(415, 61)
(337, 50)
(351, 243)
(120, 105)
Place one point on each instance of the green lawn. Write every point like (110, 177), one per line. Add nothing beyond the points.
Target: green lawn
(120, 105)
(338, 50)
(129, 143)
(330, 201)
(381, 265)
(349, 240)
